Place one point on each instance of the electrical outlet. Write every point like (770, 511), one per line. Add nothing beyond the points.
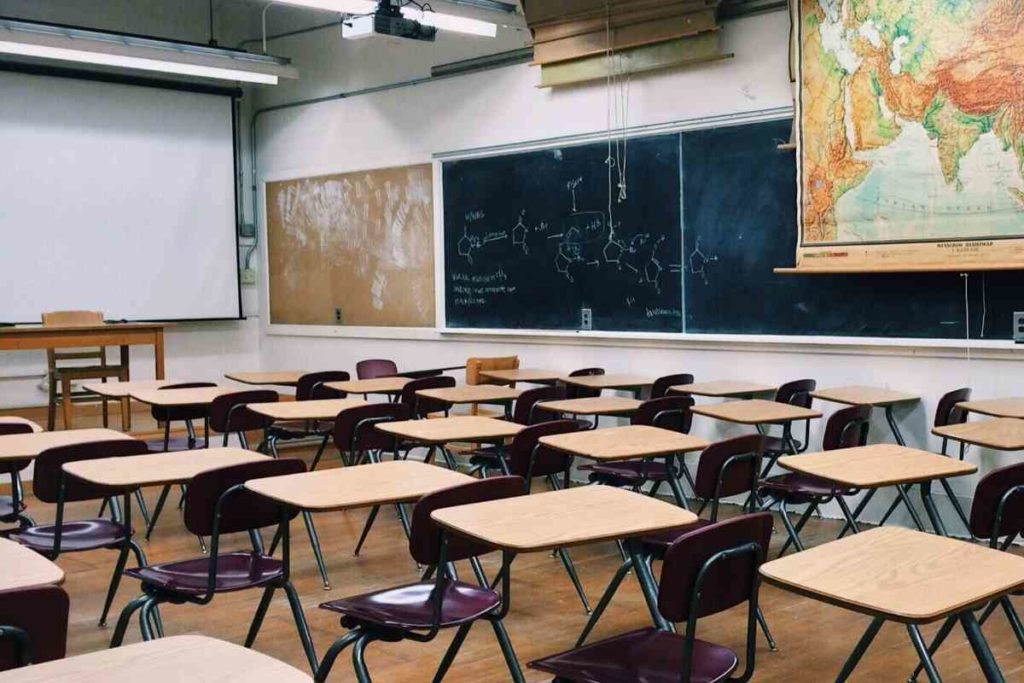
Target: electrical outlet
(337, 316)
(586, 319)
(1018, 327)
(248, 276)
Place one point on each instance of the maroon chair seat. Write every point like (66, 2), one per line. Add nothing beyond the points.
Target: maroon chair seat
(81, 534)
(802, 486)
(410, 607)
(630, 473)
(647, 655)
(235, 571)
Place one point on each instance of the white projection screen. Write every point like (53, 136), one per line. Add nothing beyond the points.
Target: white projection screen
(116, 197)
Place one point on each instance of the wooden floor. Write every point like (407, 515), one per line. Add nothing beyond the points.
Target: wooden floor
(814, 639)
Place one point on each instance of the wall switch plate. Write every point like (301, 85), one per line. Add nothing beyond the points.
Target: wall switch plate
(248, 276)
(337, 316)
(586, 319)
(1018, 327)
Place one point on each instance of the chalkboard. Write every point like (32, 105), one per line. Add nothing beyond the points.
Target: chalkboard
(712, 212)
(532, 241)
(739, 198)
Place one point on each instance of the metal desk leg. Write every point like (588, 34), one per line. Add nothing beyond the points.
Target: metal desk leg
(910, 507)
(923, 654)
(891, 419)
(647, 585)
(862, 646)
(929, 506)
(981, 649)
(673, 482)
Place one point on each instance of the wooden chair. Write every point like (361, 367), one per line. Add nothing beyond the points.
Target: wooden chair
(58, 373)
(474, 366)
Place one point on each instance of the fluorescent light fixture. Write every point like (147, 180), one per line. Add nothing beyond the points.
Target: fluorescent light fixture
(451, 22)
(65, 44)
(104, 59)
(445, 22)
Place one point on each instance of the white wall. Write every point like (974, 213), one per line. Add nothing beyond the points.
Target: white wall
(504, 106)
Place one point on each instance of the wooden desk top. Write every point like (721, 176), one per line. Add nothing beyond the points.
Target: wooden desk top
(596, 405)
(609, 381)
(864, 396)
(756, 411)
(877, 466)
(180, 467)
(123, 389)
(478, 393)
(447, 429)
(526, 375)
(325, 409)
(723, 388)
(380, 385)
(13, 419)
(19, 446)
(1001, 433)
(21, 330)
(25, 568)
(998, 407)
(281, 378)
(899, 574)
(624, 443)
(180, 397)
(394, 481)
(559, 519)
(165, 660)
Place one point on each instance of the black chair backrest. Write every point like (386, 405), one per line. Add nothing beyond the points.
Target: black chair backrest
(372, 368)
(229, 414)
(49, 473)
(663, 384)
(573, 391)
(242, 510)
(11, 466)
(667, 412)
(354, 428)
(419, 406)
(309, 387)
(528, 459)
(178, 413)
(797, 393)
(946, 412)
(41, 614)
(425, 533)
(728, 468)
(725, 583)
(847, 428)
(1004, 488)
(524, 413)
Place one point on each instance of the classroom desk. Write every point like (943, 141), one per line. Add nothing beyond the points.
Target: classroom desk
(170, 398)
(389, 386)
(631, 442)
(23, 568)
(131, 472)
(281, 378)
(164, 660)
(32, 337)
(564, 519)
(15, 420)
(28, 446)
(321, 409)
(436, 433)
(633, 383)
(997, 407)
(999, 434)
(524, 375)
(759, 412)
(870, 396)
(878, 466)
(613, 406)
(121, 391)
(723, 389)
(913, 578)
(473, 395)
(385, 483)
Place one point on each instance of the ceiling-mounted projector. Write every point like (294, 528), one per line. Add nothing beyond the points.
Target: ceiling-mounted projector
(387, 21)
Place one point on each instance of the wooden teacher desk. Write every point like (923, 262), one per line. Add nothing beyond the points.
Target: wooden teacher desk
(32, 337)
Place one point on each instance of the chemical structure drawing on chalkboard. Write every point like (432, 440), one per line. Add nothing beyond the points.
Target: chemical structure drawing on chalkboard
(699, 262)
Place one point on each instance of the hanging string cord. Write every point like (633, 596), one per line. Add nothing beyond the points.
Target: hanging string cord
(967, 325)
